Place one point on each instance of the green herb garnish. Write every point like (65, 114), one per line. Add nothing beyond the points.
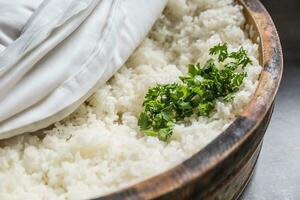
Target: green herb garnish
(165, 105)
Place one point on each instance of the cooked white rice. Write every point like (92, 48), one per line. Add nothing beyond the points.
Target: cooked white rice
(99, 148)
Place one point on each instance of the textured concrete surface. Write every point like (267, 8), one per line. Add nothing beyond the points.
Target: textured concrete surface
(277, 175)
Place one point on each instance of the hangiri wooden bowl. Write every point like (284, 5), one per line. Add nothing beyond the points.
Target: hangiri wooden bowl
(222, 169)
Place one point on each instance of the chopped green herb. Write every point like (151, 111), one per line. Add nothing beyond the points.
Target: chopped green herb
(165, 105)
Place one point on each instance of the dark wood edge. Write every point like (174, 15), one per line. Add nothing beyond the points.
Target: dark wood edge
(238, 134)
(244, 186)
(247, 157)
(239, 193)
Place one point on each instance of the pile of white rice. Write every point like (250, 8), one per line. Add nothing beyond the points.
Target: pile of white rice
(99, 148)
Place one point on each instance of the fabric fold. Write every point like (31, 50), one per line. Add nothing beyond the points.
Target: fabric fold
(58, 62)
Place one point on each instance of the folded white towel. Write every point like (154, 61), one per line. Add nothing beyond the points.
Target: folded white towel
(64, 52)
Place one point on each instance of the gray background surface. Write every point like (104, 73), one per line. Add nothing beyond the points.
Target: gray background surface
(277, 174)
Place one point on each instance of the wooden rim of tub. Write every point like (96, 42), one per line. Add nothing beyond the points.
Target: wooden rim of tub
(213, 162)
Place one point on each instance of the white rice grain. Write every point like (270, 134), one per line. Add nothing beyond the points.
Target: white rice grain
(99, 148)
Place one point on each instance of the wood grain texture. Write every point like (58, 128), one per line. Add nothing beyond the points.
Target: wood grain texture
(277, 175)
(222, 168)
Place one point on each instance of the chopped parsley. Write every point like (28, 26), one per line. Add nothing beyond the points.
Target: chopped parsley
(196, 94)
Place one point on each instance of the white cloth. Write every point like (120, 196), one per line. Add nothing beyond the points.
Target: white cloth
(65, 50)
(13, 16)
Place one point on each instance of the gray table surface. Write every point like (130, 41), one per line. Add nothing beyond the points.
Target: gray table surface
(277, 174)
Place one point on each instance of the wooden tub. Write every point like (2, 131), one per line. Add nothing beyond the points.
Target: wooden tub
(223, 168)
